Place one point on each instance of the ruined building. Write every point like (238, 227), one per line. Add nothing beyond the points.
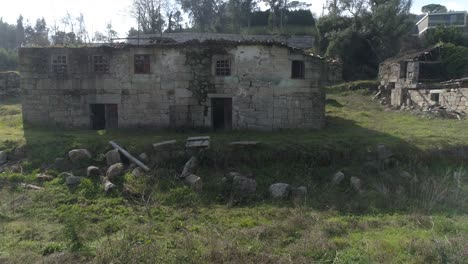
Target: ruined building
(215, 83)
(417, 79)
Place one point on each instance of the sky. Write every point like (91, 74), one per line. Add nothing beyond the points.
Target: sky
(98, 13)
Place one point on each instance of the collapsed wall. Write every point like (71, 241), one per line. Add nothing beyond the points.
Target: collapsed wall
(9, 84)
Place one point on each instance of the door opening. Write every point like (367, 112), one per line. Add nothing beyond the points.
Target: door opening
(221, 113)
(104, 116)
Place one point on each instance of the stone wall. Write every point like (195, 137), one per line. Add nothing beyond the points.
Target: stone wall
(178, 90)
(9, 84)
(453, 99)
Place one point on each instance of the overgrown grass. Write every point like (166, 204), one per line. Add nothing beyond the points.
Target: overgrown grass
(412, 209)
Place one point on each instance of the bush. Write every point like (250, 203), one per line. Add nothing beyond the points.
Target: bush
(8, 60)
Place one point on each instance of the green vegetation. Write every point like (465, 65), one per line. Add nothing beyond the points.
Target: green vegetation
(412, 209)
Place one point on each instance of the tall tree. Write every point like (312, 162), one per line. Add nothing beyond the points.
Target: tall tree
(202, 12)
(149, 15)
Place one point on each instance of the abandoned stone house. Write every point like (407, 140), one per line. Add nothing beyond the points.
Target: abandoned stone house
(215, 83)
(417, 79)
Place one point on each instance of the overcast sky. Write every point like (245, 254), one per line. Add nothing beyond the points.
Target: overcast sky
(98, 12)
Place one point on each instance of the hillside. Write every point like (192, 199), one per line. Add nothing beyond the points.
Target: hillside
(410, 206)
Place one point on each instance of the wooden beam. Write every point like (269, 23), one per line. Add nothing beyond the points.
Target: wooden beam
(129, 156)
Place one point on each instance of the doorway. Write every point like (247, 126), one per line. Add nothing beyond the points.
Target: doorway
(221, 113)
(104, 116)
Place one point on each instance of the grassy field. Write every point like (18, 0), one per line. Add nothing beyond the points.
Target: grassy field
(411, 210)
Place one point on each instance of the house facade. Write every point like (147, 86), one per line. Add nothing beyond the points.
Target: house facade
(450, 19)
(215, 84)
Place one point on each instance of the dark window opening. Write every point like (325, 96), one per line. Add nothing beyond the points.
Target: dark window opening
(59, 64)
(435, 98)
(104, 116)
(431, 72)
(403, 69)
(297, 70)
(142, 64)
(223, 68)
(101, 64)
(221, 113)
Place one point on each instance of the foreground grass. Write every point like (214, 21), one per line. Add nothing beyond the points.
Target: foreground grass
(396, 219)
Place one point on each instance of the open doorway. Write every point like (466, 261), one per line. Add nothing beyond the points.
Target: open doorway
(104, 116)
(221, 113)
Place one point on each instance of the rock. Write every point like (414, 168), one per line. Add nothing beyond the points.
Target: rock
(130, 191)
(243, 187)
(113, 157)
(356, 183)
(338, 177)
(383, 152)
(73, 180)
(279, 190)
(93, 171)
(194, 181)
(3, 157)
(138, 172)
(405, 174)
(299, 195)
(189, 167)
(31, 186)
(65, 175)
(16, 168)
(107, 184)
(44, 177)
(114, 171)
(143, 157)
(61, 164)
(78, 156)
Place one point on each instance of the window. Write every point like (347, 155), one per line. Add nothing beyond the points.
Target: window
(298, 69)
(223, 68)
(142, 64)
(59, 64)
(101, 64)
(435, 98)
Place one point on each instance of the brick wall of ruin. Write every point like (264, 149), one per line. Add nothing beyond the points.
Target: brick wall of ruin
(453, 99)
(178, 90)
(9, 84)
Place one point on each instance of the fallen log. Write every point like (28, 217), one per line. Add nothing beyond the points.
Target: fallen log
(129, 156)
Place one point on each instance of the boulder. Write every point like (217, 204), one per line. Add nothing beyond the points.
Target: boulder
(338, 177)
(194, 181)
(383, 153)
(44, 177)
(78, 156)
(243, 187)
(93, 171)
(355, 183)
(189, 167)
(299, 195)
(138, 172)
(3, 157)
(113, 157)
(114, 171)
(73, 180)
(61, 164)
(143, 157)
(279, 190)
(107, 184)
(65, 175)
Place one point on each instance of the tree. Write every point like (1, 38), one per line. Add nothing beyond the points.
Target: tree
(203, 13)
(37, 35)
(19, 31)
(110, 32)
(433, 8)
(148, 14)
